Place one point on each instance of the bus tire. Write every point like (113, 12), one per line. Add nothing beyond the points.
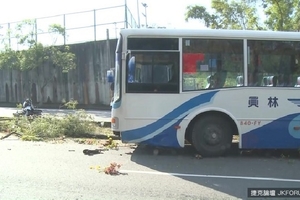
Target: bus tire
(211, 135)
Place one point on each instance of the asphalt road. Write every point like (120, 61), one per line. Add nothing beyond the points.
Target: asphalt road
(38, 170)
(98, 115)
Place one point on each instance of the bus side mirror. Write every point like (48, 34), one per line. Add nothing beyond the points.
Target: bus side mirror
(110, 76)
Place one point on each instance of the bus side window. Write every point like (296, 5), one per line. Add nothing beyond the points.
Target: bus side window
(173, 74)
(270, 81)
(220, 76)
(239, 81)
(254, 79)
(220, 79)
(273, 81)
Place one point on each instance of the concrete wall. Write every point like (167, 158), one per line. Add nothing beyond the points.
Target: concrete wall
(48, 84)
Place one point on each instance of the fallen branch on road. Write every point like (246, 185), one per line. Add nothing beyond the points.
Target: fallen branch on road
(9, 134)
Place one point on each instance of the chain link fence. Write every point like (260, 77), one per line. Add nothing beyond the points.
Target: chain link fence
(92, 25)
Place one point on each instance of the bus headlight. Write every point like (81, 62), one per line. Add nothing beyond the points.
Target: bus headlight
(114, 123)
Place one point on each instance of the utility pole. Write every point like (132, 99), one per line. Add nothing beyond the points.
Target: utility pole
(138, 13)
(126, 19)
(145, 14)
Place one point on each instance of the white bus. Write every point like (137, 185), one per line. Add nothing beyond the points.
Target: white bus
(202, 87)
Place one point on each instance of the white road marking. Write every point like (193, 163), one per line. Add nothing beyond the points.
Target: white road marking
(212, 176)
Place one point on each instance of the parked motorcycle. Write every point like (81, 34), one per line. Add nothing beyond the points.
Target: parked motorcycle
(28, 110)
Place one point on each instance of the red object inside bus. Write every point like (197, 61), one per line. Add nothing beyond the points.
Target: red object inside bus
(190, 62)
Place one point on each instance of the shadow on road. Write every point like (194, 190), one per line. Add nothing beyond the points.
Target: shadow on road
(233, 152)
(233, 174)
(97, 136)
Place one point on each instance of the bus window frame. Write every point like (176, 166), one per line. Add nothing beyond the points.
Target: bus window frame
(153, 88)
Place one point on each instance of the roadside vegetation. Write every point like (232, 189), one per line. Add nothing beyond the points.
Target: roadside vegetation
(76, 125)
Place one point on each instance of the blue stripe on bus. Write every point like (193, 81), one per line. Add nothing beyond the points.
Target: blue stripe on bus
(183, 109)
(168, 138)
(282, 133)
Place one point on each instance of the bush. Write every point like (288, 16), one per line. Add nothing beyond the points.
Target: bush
(72, 104)
(75, 124)
(4, 125)
(46, 127)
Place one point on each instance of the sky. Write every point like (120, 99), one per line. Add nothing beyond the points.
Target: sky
(162, 13)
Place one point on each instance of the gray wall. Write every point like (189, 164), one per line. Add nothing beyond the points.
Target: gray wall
(48, 84)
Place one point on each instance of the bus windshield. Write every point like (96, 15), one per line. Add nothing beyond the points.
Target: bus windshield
(117, 86)
(153, 72)
(153, 66)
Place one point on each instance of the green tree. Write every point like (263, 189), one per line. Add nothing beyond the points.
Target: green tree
(227, 15)
(36, 57)
(296, 18)
(230, 14)
(56, 30)
(282, 15)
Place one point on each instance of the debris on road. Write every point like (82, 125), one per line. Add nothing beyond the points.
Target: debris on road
(9, 134)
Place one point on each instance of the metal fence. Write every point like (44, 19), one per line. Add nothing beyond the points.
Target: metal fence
(92, 25)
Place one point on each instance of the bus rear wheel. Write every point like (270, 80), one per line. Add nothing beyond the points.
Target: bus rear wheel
(211, 135)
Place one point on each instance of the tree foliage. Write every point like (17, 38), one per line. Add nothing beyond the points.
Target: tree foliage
(227, 15)
(11, 59)
(282, 15)
(244, 14)
(56, 30)
(33, 53)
